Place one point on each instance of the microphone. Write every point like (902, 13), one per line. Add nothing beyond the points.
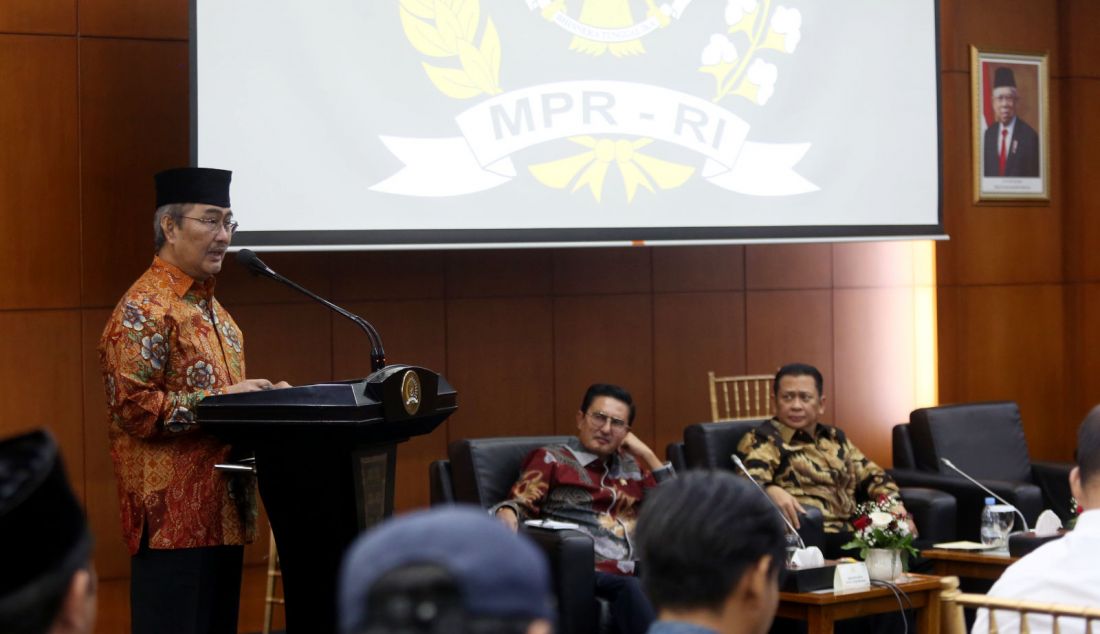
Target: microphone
(782, 515)
(250, 260)
(984, 488)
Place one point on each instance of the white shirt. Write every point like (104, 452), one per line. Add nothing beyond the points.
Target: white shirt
(1066, 570)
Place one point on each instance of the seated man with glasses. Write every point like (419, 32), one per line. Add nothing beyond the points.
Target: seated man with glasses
(801, 461)
(598, 481)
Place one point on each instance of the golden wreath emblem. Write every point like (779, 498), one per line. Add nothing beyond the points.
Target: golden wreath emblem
(410, 392)
(468, 61)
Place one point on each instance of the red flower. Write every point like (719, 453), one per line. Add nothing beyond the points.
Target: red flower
(861, 522)
(1080, 509)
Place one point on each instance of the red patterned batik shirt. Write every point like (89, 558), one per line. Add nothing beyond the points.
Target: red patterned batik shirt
(168, 345)
(603, 497)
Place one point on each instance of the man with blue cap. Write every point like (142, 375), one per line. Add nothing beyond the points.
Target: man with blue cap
(444, 571)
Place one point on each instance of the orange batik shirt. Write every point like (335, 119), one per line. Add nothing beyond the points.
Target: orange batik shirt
(168, 345)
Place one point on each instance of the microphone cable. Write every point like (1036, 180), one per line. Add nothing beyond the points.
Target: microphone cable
(899, 594)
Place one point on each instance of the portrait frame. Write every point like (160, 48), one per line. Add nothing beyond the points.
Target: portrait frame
(1010, 131)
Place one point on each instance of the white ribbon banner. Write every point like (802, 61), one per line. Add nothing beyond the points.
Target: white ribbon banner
(496, 128)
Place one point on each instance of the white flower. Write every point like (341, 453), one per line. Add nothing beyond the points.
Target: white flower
(676, 9)
(788, 22)
(880, 519)
(763, 75)
(720, 49)
(738, 9)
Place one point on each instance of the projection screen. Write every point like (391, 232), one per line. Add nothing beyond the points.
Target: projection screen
(375, 124)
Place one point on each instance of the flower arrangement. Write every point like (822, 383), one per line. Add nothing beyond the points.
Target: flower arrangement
(881, 524)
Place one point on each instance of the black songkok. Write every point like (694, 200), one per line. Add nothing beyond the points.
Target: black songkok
(201, 185)
(44, 535)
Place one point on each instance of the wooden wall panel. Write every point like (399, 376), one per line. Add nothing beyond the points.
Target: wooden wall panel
(150, 19)
(874, 365)
(1080, 46)
(101, 501)
(713, 268)
(1013, 338)
(606, 339)
(505, 273)
(790, 326)
(237, 285)
(500, 358)
(286, 342)
(693, 333)
(788, 266)
(1021, 25)
(386, 275)
(40, 379)
(414, 333)
(957, 176)
(1082, 205)
(39, 226)
(134, 123)
(873, 264)
(38, 16)
(597, 271)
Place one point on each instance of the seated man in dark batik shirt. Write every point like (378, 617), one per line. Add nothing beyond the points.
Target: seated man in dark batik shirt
(598, 481)
(800, 461)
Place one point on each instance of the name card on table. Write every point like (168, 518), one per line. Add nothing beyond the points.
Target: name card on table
(851, 577)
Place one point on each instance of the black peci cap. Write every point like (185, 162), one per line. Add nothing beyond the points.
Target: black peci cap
(44, 535)
(1003, 77)
(193, 185)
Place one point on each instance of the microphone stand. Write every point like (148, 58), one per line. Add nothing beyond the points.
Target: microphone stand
(377, 353)
(984, 488)
(740, 465)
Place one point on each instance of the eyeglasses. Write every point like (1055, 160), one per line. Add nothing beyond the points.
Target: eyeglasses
(212, 224)
(599, 419)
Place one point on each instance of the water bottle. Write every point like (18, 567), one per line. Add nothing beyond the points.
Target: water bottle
(992, 535)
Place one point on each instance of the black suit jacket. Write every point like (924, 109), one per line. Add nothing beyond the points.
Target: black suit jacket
(1023, 153)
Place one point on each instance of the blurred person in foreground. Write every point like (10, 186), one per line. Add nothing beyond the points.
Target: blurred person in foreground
(712, 549)
(47, 583)
(451, 570)
(1066, 570)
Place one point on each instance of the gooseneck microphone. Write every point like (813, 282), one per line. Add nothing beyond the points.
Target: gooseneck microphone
(257, 266)
(782, 515)
(984, 488)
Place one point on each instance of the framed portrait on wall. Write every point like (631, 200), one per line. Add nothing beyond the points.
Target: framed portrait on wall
(1011, 130)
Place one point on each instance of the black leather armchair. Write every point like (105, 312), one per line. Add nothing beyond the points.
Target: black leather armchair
(481, 472)
(986, 440)
(709, 446)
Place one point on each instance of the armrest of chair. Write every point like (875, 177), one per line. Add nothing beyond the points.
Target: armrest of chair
(934, 513)
(573, 568)
(1053, 479)
(440, 486)
(970, 499)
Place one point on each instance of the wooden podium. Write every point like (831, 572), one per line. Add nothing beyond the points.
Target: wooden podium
(325, 458)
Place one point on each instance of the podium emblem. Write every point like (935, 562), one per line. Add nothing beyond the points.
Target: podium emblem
(410, 392)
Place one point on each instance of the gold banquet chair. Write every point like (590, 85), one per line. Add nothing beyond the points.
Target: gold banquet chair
(274, 575)
(740, 397)
(1024, 613)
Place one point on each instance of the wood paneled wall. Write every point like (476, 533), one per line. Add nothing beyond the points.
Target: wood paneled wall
(95, 101)
(1018, 284)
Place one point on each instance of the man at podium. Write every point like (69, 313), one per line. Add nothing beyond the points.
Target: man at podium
(168, 344)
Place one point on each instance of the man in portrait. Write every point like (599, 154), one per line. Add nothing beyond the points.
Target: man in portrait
(1011, 146)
